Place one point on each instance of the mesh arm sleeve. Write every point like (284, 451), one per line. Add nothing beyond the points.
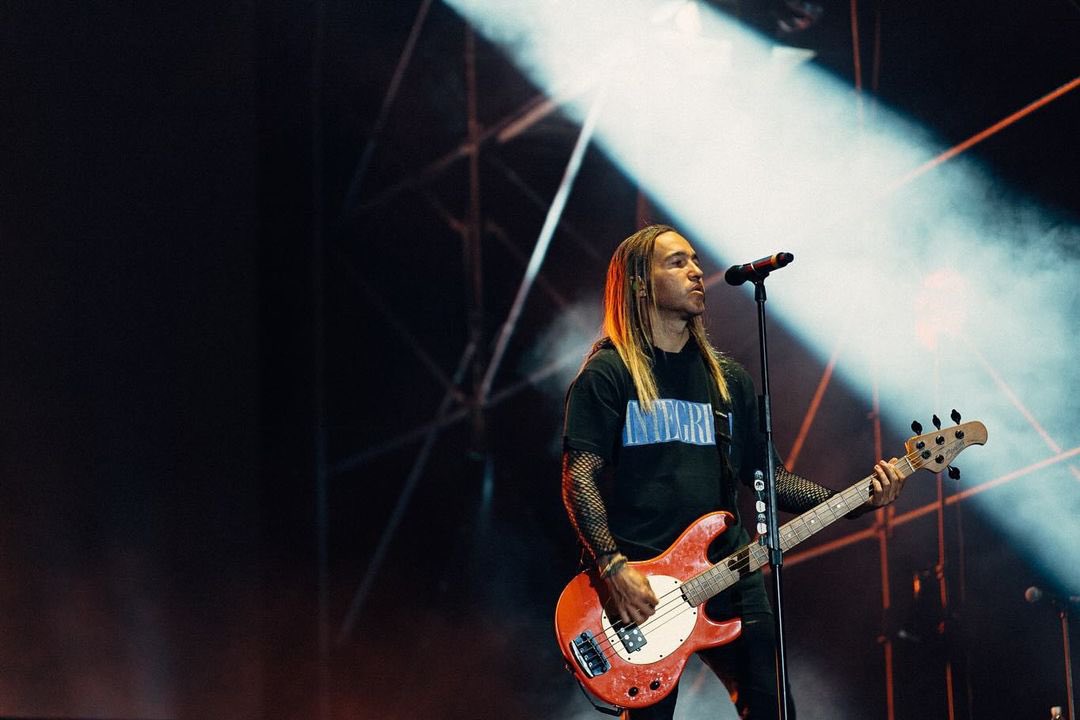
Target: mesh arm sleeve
(796, 494)
(583, 501)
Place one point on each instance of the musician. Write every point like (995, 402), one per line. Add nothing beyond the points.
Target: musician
(643, 457)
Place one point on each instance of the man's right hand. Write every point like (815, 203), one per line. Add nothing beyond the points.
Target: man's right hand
(632, 599)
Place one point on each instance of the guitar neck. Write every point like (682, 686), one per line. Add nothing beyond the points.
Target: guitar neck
(728, 571)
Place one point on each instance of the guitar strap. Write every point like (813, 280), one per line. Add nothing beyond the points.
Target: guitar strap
(723, 422)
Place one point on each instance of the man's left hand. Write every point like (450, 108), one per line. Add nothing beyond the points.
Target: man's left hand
(887, 483)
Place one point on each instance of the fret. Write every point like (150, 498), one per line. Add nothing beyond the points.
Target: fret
(802, 529)
(715, 582)
(841, 505)
(761, 556)
(692, 591)
(826, 507)
(701, 593)
(709, 583)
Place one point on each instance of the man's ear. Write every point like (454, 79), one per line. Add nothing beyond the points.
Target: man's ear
(638, 286)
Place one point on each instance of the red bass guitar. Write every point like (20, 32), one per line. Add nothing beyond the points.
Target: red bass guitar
(633, 666)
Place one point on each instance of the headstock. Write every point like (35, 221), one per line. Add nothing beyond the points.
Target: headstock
(934, 451)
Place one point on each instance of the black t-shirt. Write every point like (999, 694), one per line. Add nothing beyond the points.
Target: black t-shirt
(668, 470)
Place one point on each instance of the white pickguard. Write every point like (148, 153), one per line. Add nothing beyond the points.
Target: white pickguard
(665, 631)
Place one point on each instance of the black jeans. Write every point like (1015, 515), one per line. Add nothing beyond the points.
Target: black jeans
(747, 667)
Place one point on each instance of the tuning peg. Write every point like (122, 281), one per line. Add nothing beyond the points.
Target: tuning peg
(916, 427)
(937, 422)
(955, 416)
(954, 473)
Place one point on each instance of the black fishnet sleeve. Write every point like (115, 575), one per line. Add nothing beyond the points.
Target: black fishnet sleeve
(796, 494)
(584, 504)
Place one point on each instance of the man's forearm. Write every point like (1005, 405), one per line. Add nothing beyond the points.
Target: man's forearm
(796, 494)
(584, 504)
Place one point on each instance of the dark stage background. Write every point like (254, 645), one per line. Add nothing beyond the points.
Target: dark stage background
(225, 334)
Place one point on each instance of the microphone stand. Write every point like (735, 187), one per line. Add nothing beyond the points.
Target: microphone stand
(1063, 613)
(776, 553)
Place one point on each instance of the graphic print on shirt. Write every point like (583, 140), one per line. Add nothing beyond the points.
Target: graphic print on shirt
(670, 421)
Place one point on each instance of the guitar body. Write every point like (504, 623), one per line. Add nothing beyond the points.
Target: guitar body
(643, 668)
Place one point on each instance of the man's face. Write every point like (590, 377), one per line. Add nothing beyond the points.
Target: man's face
(677, 278)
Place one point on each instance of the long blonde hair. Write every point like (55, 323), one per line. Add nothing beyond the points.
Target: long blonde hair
(627, 318)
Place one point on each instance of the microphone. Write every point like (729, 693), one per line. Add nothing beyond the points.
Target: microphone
(757, 270)
(1035, 595)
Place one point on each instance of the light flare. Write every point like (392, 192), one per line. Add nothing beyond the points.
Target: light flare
(898, 238)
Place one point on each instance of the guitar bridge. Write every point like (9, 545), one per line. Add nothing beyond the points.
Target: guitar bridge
(588, 655)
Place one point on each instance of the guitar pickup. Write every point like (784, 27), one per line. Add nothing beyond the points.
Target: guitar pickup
(588, 655)
(631, 638)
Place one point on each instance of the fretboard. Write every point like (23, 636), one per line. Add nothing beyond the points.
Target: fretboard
(728, 571)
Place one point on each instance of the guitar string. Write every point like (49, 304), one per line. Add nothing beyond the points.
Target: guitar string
(742, 563)
(671, 610)
(668, 611)
(736, 566)
(743, 559)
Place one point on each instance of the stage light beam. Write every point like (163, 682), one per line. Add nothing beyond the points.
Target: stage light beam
(753, 156)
